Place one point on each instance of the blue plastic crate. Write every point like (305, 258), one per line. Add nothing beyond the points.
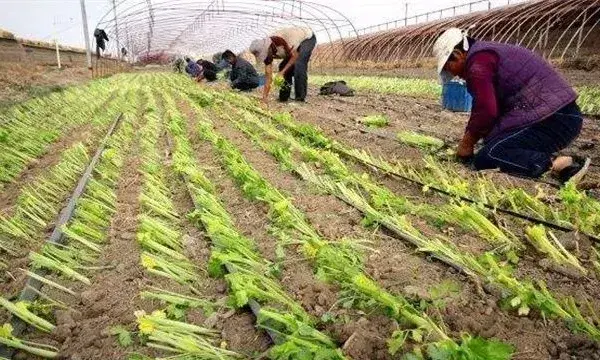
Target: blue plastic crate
(455, 97)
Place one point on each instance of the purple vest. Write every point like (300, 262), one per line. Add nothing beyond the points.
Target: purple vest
(528, 89)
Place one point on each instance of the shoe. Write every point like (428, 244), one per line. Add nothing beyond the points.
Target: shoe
(576, 171)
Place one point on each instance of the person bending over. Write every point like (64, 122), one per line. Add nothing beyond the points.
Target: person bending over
(193, 69)
(523, 109)
(243, 75)
(209, 70)
(294, 46)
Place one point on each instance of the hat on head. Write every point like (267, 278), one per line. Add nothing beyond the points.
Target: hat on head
(260, 48)
(443, 48)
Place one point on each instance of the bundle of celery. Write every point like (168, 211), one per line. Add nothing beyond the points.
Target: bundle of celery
(190, 340)
(424, 142)
(375, 121)
(41, 350)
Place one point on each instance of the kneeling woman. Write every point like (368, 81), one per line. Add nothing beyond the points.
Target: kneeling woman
(523, 109)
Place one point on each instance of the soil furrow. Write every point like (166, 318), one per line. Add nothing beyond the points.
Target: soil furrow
(237, 329)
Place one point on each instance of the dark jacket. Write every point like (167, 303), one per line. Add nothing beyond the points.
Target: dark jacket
(101, 37)
(528, 89)
(207, 65)
(193, 69)
(243, 72)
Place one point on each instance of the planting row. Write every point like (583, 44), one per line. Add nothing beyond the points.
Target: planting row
(58, 265)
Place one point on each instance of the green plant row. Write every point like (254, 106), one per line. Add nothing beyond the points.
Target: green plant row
(162, 254)
(574, 209)
(340, 262)
(39, 202)
(235, 257)
(400, 86)
(83, 235)
(315, 147)
(29, 132)
(468, 216)
(158, 233)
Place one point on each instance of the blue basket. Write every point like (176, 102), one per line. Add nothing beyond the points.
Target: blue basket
(455, 97)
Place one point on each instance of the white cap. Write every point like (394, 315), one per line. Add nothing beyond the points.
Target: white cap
(443, 48)
(260, 48)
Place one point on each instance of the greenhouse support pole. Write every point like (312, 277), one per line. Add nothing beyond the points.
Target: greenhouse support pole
(116, 30)
(86, 35)
(57, 53)
(56, 45)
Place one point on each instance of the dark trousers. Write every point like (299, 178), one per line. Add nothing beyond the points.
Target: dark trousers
(529, 151)
(210, 75)
(245, 86)
(298, 73)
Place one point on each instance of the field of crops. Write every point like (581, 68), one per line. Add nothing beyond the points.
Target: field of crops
(146, 216)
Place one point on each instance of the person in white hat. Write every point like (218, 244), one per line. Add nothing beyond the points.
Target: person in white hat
(294, 46)
(523, 109)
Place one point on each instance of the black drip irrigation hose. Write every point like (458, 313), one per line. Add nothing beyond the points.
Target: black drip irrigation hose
(254, 306)
(31, 290)
(488, 206)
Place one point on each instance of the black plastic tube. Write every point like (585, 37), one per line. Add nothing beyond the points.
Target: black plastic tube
(32, 287)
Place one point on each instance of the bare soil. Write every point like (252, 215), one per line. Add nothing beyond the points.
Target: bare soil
(21, 81)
